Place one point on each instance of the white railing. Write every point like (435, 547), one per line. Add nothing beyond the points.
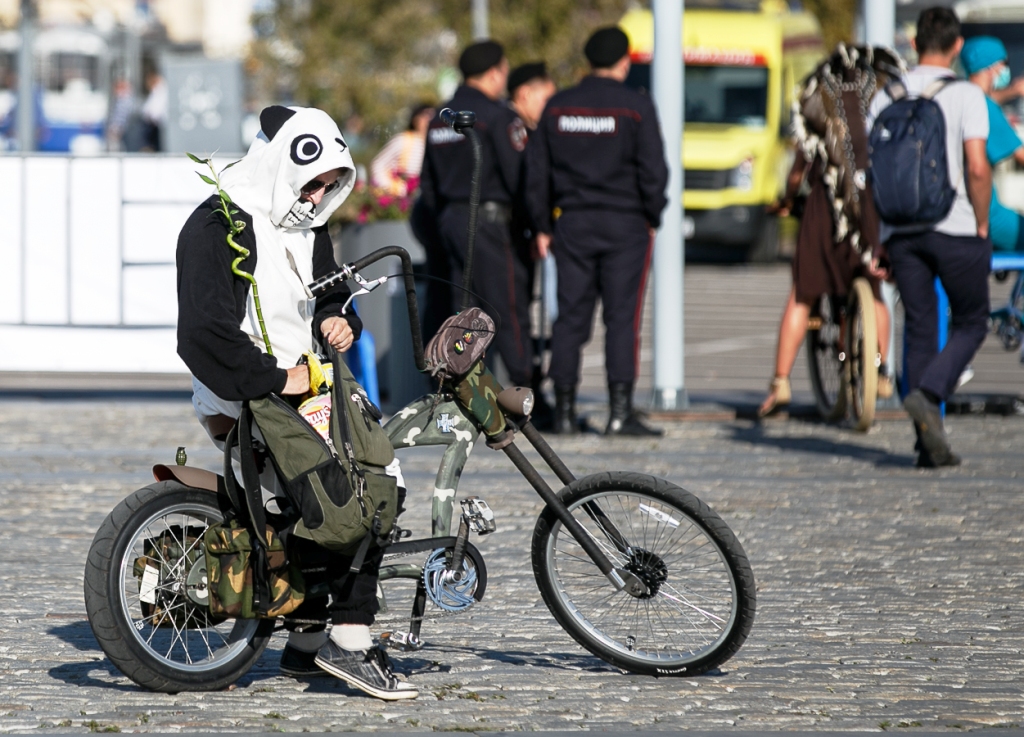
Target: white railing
(87, 274)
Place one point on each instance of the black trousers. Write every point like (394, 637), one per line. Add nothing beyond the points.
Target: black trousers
(962, 264)
(606, 255)
(502, 276)
(353, 597)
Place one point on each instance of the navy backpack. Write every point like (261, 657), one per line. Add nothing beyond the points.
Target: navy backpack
(909, 170)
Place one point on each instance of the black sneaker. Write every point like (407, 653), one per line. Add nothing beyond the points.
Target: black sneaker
(632, 425)
(298, 664)
(929, 425)
(368, 670)
(924, 460)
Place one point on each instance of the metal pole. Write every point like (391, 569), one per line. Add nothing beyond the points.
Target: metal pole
(26, 81)
(879, 22)
(669, 262)
(481, 23)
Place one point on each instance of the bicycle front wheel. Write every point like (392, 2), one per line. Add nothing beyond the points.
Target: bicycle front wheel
(826, 359)
(701, 599)
(864, 358)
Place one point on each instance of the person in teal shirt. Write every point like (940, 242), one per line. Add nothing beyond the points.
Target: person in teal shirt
(984, 61)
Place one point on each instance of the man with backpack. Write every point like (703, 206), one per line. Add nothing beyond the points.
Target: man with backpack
(933, 200)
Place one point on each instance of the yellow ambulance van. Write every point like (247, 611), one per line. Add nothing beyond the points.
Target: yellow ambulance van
(744, 65)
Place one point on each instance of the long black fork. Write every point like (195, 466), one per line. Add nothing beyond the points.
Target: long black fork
(620, 578)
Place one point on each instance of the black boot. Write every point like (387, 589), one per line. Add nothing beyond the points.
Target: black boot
(622, 419)
(565, 411)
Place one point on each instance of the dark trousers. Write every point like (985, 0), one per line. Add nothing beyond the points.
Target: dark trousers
(353, 595)
(606, 255)
(502, 277)
(962, 264)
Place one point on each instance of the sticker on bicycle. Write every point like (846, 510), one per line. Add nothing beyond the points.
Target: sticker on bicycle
(445, 423)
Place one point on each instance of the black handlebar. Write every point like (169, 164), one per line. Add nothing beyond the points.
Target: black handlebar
(463, 122)
(459, 121)
(346, 272)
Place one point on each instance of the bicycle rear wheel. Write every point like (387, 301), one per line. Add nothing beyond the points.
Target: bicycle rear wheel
(701, 600)
(864, 359)
(826, 359)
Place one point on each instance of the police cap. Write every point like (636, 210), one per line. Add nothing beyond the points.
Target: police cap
(526, 73)
(606, 46)
(479, 57)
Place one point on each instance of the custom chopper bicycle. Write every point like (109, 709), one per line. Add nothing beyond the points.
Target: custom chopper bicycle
(637, 570)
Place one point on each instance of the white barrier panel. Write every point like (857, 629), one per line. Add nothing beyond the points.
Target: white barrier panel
(87, 275)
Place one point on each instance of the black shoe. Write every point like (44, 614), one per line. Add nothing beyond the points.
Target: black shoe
(565, 411)
(622, 418)
(298, 664)
(928, 419)
(368, 670)
(924, 460)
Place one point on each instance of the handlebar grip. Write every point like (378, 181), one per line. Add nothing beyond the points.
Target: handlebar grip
(458, 121)
(347, 271)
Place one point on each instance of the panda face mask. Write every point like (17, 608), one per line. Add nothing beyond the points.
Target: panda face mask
(294, 148)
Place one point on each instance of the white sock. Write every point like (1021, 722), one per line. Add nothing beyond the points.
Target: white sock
(351, 636)
(307, 642)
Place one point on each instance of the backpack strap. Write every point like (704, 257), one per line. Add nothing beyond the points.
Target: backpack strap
(896, 90)
(935, 87)
(230, 482)
(251, 476)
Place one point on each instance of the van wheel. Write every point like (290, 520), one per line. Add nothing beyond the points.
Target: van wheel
(765, 249)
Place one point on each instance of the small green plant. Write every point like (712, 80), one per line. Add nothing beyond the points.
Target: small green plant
(884, 725)
(95, 726)
(905, 724)
(143, 718)
(235, 228)
(471, 695)
(273, 715)
(446, 690)
(413, 722)
(64, 723)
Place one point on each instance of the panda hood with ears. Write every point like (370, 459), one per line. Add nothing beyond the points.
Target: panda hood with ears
(295, 145)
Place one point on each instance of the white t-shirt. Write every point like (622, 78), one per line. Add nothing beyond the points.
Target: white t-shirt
(966, 112)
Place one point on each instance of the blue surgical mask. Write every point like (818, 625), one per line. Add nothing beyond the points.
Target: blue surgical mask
(1002, 80)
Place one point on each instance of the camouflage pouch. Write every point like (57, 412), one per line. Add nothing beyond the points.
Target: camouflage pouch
(459, 343)
(477, 392)
(229, 566)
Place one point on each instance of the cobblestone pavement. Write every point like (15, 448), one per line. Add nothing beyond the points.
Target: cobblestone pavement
(888, 597)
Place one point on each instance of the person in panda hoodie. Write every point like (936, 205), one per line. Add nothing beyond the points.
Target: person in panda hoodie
(297, 172)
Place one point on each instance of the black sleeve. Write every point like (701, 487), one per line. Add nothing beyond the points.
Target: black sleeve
(538, 185)
(507, 128)
(211, 307)
(330, 303)
(652, 171)
(428, 182)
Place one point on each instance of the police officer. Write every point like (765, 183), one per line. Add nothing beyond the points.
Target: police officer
(597, 157)
(499, 277)
(529, 89)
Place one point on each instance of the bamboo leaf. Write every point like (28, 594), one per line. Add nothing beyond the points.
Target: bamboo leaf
(207, 179)
(229, 166)
(224, 196)
(196, 158)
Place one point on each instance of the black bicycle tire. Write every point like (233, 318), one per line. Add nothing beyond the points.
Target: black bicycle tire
(102, 597)
(698, 513)
(829, 409)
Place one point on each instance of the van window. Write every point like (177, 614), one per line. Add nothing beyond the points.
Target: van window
(726, 95)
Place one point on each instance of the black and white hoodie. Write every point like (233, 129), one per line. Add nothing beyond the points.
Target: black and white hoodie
(219, 337)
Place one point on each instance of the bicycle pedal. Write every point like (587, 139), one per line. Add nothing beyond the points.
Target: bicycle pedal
(478, 515)
(404, 641)
(397, 533)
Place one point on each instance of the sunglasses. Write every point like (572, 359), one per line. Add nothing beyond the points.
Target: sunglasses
(314, 186)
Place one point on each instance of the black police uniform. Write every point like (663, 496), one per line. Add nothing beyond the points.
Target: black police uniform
(500, 276)
(598, 157)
